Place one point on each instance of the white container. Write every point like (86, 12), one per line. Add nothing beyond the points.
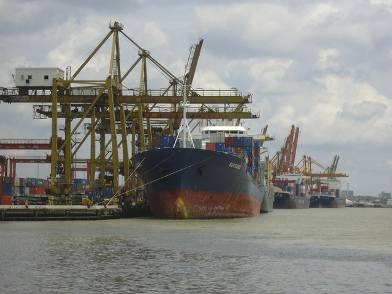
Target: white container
(37, 77)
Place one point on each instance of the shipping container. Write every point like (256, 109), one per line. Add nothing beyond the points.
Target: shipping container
(39, 182)
(210, 146)
(30, 182)
(8, 189)
(220, 147)
(167, 141)
(21, 190)
(229, 141)
(80, 181)
(6, 200)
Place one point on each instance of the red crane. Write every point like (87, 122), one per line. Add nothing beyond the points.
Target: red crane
(285, 158)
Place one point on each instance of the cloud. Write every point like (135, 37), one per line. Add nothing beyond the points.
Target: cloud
(328, 59)
(267, 73)
(363, 111)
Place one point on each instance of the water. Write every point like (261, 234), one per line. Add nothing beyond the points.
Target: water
(288, 251)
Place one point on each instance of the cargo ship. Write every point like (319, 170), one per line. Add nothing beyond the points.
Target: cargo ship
(217, 181)
(290, 192)
(284, 200)
(326, 194)
(327, 201)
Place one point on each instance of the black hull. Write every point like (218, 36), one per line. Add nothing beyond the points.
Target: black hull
(196, 183)
(286, 201)
(327, 201)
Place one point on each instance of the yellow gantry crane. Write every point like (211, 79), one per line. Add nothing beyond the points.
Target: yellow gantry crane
(113, 112)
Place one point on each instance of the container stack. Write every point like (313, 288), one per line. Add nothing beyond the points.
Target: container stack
(33, 187)
(294, 187)
(242, 146)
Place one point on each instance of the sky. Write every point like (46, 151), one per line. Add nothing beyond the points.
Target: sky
(321, 65)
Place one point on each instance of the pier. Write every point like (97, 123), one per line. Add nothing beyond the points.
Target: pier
(57, 212)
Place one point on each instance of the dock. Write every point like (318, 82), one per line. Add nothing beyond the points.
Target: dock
(58, 212)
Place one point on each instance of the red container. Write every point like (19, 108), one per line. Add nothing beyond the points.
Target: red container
(41, 190)
(33, 190)
(5, 200)
(210, 146)
(37, 190)
(229, 142)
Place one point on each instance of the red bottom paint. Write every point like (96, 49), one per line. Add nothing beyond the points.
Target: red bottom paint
(183, 204)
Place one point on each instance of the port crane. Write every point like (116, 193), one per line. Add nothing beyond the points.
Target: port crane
(114, 111)
(283, 160)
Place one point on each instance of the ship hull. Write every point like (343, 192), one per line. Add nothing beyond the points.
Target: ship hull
(327, 202)
(194, 183)
(285, 201)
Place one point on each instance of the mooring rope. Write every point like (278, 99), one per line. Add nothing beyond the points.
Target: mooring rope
(129, 177)
(165, 176)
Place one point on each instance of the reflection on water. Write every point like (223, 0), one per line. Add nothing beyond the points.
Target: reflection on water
(288, 251)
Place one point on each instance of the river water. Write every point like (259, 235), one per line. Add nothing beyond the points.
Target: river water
(346, 250)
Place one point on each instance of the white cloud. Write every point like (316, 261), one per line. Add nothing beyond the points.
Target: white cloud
(328, 59)
(157, 37)
(319, 14)
(209, 79)
(268, 73)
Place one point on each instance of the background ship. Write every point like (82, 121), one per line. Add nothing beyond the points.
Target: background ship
(290, 192)
(326, 194)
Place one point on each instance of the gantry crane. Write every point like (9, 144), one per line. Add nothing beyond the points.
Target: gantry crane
(283, 161)
(115, 109)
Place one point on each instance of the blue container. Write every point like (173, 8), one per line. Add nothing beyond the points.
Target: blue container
(248, 141)
(7, 189)
(229, 150)
(107, 192)
(22, 190)
(39, 182)
(167, 141)
(220, 147)
(248, 150)
(237, 142)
